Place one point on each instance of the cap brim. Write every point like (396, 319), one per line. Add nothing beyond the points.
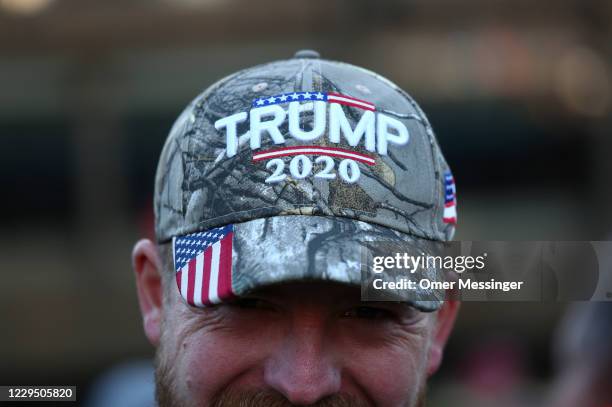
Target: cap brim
(294, 248)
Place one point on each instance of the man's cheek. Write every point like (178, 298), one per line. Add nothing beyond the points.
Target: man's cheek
(211, 363)
(394, 380)
(202, 368)
(393, 372)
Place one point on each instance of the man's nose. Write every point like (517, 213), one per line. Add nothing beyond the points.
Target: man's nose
(303, 368)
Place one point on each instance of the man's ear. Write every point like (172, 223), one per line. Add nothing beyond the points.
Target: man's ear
(148, 268)
(444, 325)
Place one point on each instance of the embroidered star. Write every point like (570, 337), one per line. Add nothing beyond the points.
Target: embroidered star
(319, 95)
(295, 96)
(271, 99)
(283, 98)
(307, 95)
(259, 102)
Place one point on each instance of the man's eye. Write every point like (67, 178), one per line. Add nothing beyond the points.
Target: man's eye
(251, 303)
(368, 313)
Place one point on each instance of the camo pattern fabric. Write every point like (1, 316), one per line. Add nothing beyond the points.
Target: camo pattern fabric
(198, 187)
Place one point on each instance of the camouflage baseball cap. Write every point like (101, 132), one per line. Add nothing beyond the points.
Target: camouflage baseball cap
(282, 171)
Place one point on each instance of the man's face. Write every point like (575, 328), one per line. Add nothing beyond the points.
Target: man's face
(293, 344)
(302, 343)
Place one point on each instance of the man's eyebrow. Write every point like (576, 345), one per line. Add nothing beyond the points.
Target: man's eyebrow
(403, 306)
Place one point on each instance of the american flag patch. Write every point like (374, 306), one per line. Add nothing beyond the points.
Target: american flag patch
(450, 199)
(203, 266)
(330, 97)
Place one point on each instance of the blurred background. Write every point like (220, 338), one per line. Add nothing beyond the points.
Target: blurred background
(519, 93)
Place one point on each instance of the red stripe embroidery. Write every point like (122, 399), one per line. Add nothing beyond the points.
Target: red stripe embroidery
(225, 268)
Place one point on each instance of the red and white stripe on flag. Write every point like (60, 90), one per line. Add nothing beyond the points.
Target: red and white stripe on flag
(450, 213)
(349, 101)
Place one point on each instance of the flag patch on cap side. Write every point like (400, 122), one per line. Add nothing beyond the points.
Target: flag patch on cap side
(203, 266)
(450, 199)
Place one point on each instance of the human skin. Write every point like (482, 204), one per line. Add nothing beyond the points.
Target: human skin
(305, 342)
